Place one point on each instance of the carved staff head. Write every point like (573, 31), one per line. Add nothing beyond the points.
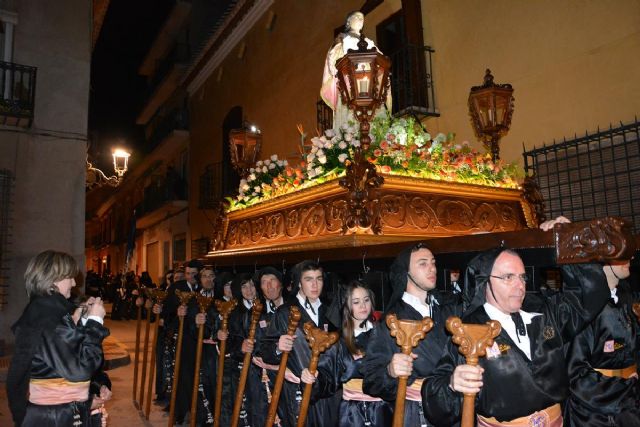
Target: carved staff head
(319, 340)
(203, 302)
(294, 319)
(473, 339)
(159, 296)
(184, 296)
(408, 333)
(225, 308)
(256, 310)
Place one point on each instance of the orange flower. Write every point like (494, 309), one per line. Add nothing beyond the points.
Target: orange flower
(405, 164)
(384, 145)
(385, 169)
(377, 152)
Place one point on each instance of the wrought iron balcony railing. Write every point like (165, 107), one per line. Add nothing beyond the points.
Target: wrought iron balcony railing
(412, 85)
(18, 86)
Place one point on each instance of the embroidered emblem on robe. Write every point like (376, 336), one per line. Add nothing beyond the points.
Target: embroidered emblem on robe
(493, 351)
(609, 346)
(548, 332)
(263, 323)
(539, 419)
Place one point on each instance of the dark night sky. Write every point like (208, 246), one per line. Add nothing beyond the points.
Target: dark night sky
(117, 91)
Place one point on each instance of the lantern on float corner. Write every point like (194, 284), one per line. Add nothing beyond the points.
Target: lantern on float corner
(491, 108)
(244, 146)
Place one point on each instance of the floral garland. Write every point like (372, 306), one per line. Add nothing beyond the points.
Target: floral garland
(399, 147)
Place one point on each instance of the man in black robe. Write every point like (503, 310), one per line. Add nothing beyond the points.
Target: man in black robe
(523, 379)
(172, 310)
(308, 284)
(603, 362)
(413, 276)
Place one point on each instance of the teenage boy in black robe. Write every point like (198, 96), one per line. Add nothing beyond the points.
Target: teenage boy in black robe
(308, 283)
(413, 277)
(524, 377)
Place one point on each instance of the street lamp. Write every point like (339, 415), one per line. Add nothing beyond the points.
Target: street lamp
(244, 145)
(96, 178)
(491, 108)
(363, 81)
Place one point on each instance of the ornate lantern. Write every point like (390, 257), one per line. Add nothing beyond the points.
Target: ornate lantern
(491, 108)
(244, 145)
(120, 161)
(363, 81)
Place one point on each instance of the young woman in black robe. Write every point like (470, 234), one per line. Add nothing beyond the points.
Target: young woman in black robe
(339, 367)
(603, 365)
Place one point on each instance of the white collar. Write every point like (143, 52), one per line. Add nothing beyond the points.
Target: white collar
(496, 314)
(248, 304)
(303, 300)
(614, 295)
(277, 303)
(368, 326)
(416, 303)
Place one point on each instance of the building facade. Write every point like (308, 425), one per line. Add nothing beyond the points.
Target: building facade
(43, 134)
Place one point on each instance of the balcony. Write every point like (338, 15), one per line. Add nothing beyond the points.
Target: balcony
(165, 197)
(412, 85)
(218, 181)
(177, 119)
(18, 85)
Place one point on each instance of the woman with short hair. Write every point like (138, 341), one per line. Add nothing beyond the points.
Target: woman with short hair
(54, 359)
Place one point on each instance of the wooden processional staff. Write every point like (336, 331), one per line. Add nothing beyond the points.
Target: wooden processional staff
(246, 364)
(147, 305)
(408, 334)
(294, 318)
(184, 298)
(224, 308)
(137, 356)
(472, 341)
(158, 298)
(203, 304)
(319, 341)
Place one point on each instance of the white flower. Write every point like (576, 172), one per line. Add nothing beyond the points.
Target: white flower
(285, 162)
(342, 157)
(320, 153)
(344, 126)
(272, 166)
(259, 163)
(251, 177)
(319, 170)
(348, 137)
(310, 157)
(342, 145)
(274, 158)
(245, 187)
(257, 189)
(267, 162)
(311, 172)
(280, 163)
(264, 169)
(314, 149)
(252, 170)
(322, 159)
(355, 143)
(330, 133)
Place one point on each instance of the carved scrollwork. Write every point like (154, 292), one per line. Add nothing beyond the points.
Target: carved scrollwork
(361, 181)
(393, 210)
(599, 240)
(473, 339)
(408, 333)
(533, 196)
(334, 215)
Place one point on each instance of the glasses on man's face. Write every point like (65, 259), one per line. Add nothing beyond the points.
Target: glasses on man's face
(512, 279)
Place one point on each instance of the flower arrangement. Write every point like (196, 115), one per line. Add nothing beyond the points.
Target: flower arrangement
(398, 147)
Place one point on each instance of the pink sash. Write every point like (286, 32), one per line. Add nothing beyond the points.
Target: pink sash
(56, 391)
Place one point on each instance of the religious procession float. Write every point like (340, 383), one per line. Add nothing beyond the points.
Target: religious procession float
(373, 181)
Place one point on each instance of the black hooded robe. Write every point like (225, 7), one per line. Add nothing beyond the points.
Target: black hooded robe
(322, 412)
(609, 342)
(337, 367)
(382, 346)
(513, 385)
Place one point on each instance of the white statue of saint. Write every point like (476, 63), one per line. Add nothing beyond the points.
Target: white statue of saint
(329, 92)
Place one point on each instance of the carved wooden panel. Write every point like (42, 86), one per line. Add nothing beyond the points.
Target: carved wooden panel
(600, 240)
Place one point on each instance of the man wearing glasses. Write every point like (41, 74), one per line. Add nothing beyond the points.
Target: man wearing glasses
(523, 379)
